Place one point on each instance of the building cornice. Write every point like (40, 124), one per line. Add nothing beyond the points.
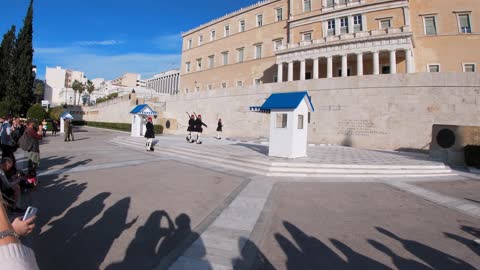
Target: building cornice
(229, 15)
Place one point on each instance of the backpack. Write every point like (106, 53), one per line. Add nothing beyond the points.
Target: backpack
(25, 142)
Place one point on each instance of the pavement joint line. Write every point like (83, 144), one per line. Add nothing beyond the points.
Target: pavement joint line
(83, 168)
(459, 205)
(207, 222)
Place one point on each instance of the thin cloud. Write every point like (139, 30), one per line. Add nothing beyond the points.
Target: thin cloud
(168, 42)
(110, 42)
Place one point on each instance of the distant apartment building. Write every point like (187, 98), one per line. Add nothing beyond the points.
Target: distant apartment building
(165, 82)
(128, 80)
(58, 85)
(287, 40)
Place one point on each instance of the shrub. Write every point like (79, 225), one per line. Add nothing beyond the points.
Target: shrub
(55, 113)
(158, 129)
(115, 126)
(472, 155)
(107, 98)
(4, 109)
(37, 112)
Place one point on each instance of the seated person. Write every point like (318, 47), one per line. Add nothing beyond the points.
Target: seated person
(11, 191)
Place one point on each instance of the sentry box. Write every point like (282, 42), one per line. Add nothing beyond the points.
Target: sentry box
(139, 119)
(288, 123)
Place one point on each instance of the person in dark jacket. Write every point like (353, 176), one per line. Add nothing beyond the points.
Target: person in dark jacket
(150, 134)
(198, 127)
(219, 129)
(191, 128)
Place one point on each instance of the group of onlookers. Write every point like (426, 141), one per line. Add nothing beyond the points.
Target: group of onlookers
(17, 136)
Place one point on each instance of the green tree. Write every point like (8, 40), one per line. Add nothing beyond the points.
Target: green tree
(77, 87)
(36, 111)
(56, 112)
(39, 90)
(7, 64)
(4, 108)
(90, 88)
(22, 98)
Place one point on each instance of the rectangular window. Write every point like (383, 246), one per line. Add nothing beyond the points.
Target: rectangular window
(210, 87)
(226, 31)
(464, 23)
(331, 27)
(200, 40)
(307, 36)
(224, 85)
(434, 68)
(278, 14)
(281, 120)
(199, 64)
(259, 20)
(257, 81)
(240, 55)
(342, 2)
(187, 67)
(300, 121)
(344, 25)
(197, 89)
(330, 3)
(357, 23)
(277, 44)
(189, 44)
(239, 83)
(469, 68)
(430, 26)
(241, 26)
(212, 35)
(307, 5)
(384, 24)
(211, 61)
(258, 51)
(225, 58)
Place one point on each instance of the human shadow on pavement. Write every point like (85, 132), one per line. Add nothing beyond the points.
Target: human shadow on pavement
(155, 245)
(88, 247)
(398, 261)
(435, 258)
(251, 257)
(468, 242)
(262, 149)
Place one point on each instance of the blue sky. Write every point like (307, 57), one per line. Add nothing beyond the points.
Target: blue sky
(105, 38)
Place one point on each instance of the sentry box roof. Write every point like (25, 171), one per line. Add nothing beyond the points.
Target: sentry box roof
(143, 109)
(284, 101)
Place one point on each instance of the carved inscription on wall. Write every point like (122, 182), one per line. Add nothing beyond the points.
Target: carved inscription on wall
(358, 128)
(331, 108)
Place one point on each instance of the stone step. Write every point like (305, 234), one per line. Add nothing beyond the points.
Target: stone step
(322, 170)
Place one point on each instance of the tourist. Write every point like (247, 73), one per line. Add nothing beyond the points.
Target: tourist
(44, 129)
(15, 256)
(11, 191)
(191, 128)
(68, 130)
(31, 145)
(150, 134)
(54, 127)
(6, 142)
(219, 129)
(198, 127)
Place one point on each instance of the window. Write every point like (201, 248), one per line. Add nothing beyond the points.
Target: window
(342, 2)
(197, 89)
(189, 44)
(469, 68)
(330, 3)
(187, 67)
(357, 23)
(258, 51)
(186, 90)
(212, 35)
(307, 36)
(210, 87)
(344, 25)
(239, 83)
(225, 58)
(384, 24)
(386, 70)
(300, 121)
(277, 44)
(259, 20)
(430, 26)
(200, 40)
(464, 23)
(434, 68)
(211, 61)
(307, 5)
(226, 31)
(257, 82)
(240, 55)
(281, 120)
(278, 14)
(224, 85)
(331, 27)
(199, 64)
(241, 26)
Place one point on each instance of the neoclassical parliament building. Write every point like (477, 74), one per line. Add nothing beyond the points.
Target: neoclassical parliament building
(291, 40)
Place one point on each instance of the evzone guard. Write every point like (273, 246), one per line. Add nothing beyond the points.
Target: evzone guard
(199, 127)
(191, 127)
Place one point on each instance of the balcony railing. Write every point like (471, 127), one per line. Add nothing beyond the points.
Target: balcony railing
(344, 37)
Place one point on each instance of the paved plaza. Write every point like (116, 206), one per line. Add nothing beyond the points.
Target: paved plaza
(106, 203)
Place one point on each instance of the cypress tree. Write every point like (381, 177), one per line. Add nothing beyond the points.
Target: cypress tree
(7, 64)
(23, 97)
